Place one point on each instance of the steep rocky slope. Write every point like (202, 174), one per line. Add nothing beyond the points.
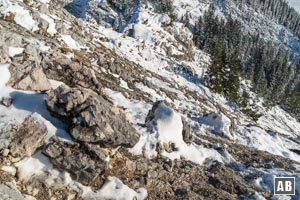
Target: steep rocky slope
(98, 110)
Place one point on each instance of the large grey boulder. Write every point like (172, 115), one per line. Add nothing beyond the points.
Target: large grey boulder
(83, 161)
(91, 117)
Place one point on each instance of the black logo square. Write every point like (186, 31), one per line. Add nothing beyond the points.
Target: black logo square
(284, 186)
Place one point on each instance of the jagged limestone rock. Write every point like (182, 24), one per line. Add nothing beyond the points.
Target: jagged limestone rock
(83, 161)
(26, 71)
(70, 72)
(43, 25)
(91, 117)
(8, 39)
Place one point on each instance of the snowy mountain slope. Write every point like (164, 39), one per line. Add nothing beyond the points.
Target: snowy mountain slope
(254, 22)
(295, 4)
(150, 60)
(257, 23)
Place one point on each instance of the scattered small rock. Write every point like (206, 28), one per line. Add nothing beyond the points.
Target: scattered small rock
(6, 101)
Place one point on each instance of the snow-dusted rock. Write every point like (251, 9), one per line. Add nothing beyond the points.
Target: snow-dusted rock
(70, 72)
(170, 126)
(165, 122)
(8, 39)
(9, 169)
(44, 8)
(219, 124)
(22, 16)
(9, 44)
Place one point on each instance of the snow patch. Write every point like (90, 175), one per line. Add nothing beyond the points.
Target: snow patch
(71, 42)
(45, 1)
(13, 51)
(51, 29)
(4, 74)
(137, 110)
(295, 4)
(113, 188)
(140, 31)
(22, 16)
(55, 84)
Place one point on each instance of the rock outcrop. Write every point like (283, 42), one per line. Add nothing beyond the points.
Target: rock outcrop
(8, 39)
(84, 162)
(70, 72)
(181, 179)
(91, 117)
